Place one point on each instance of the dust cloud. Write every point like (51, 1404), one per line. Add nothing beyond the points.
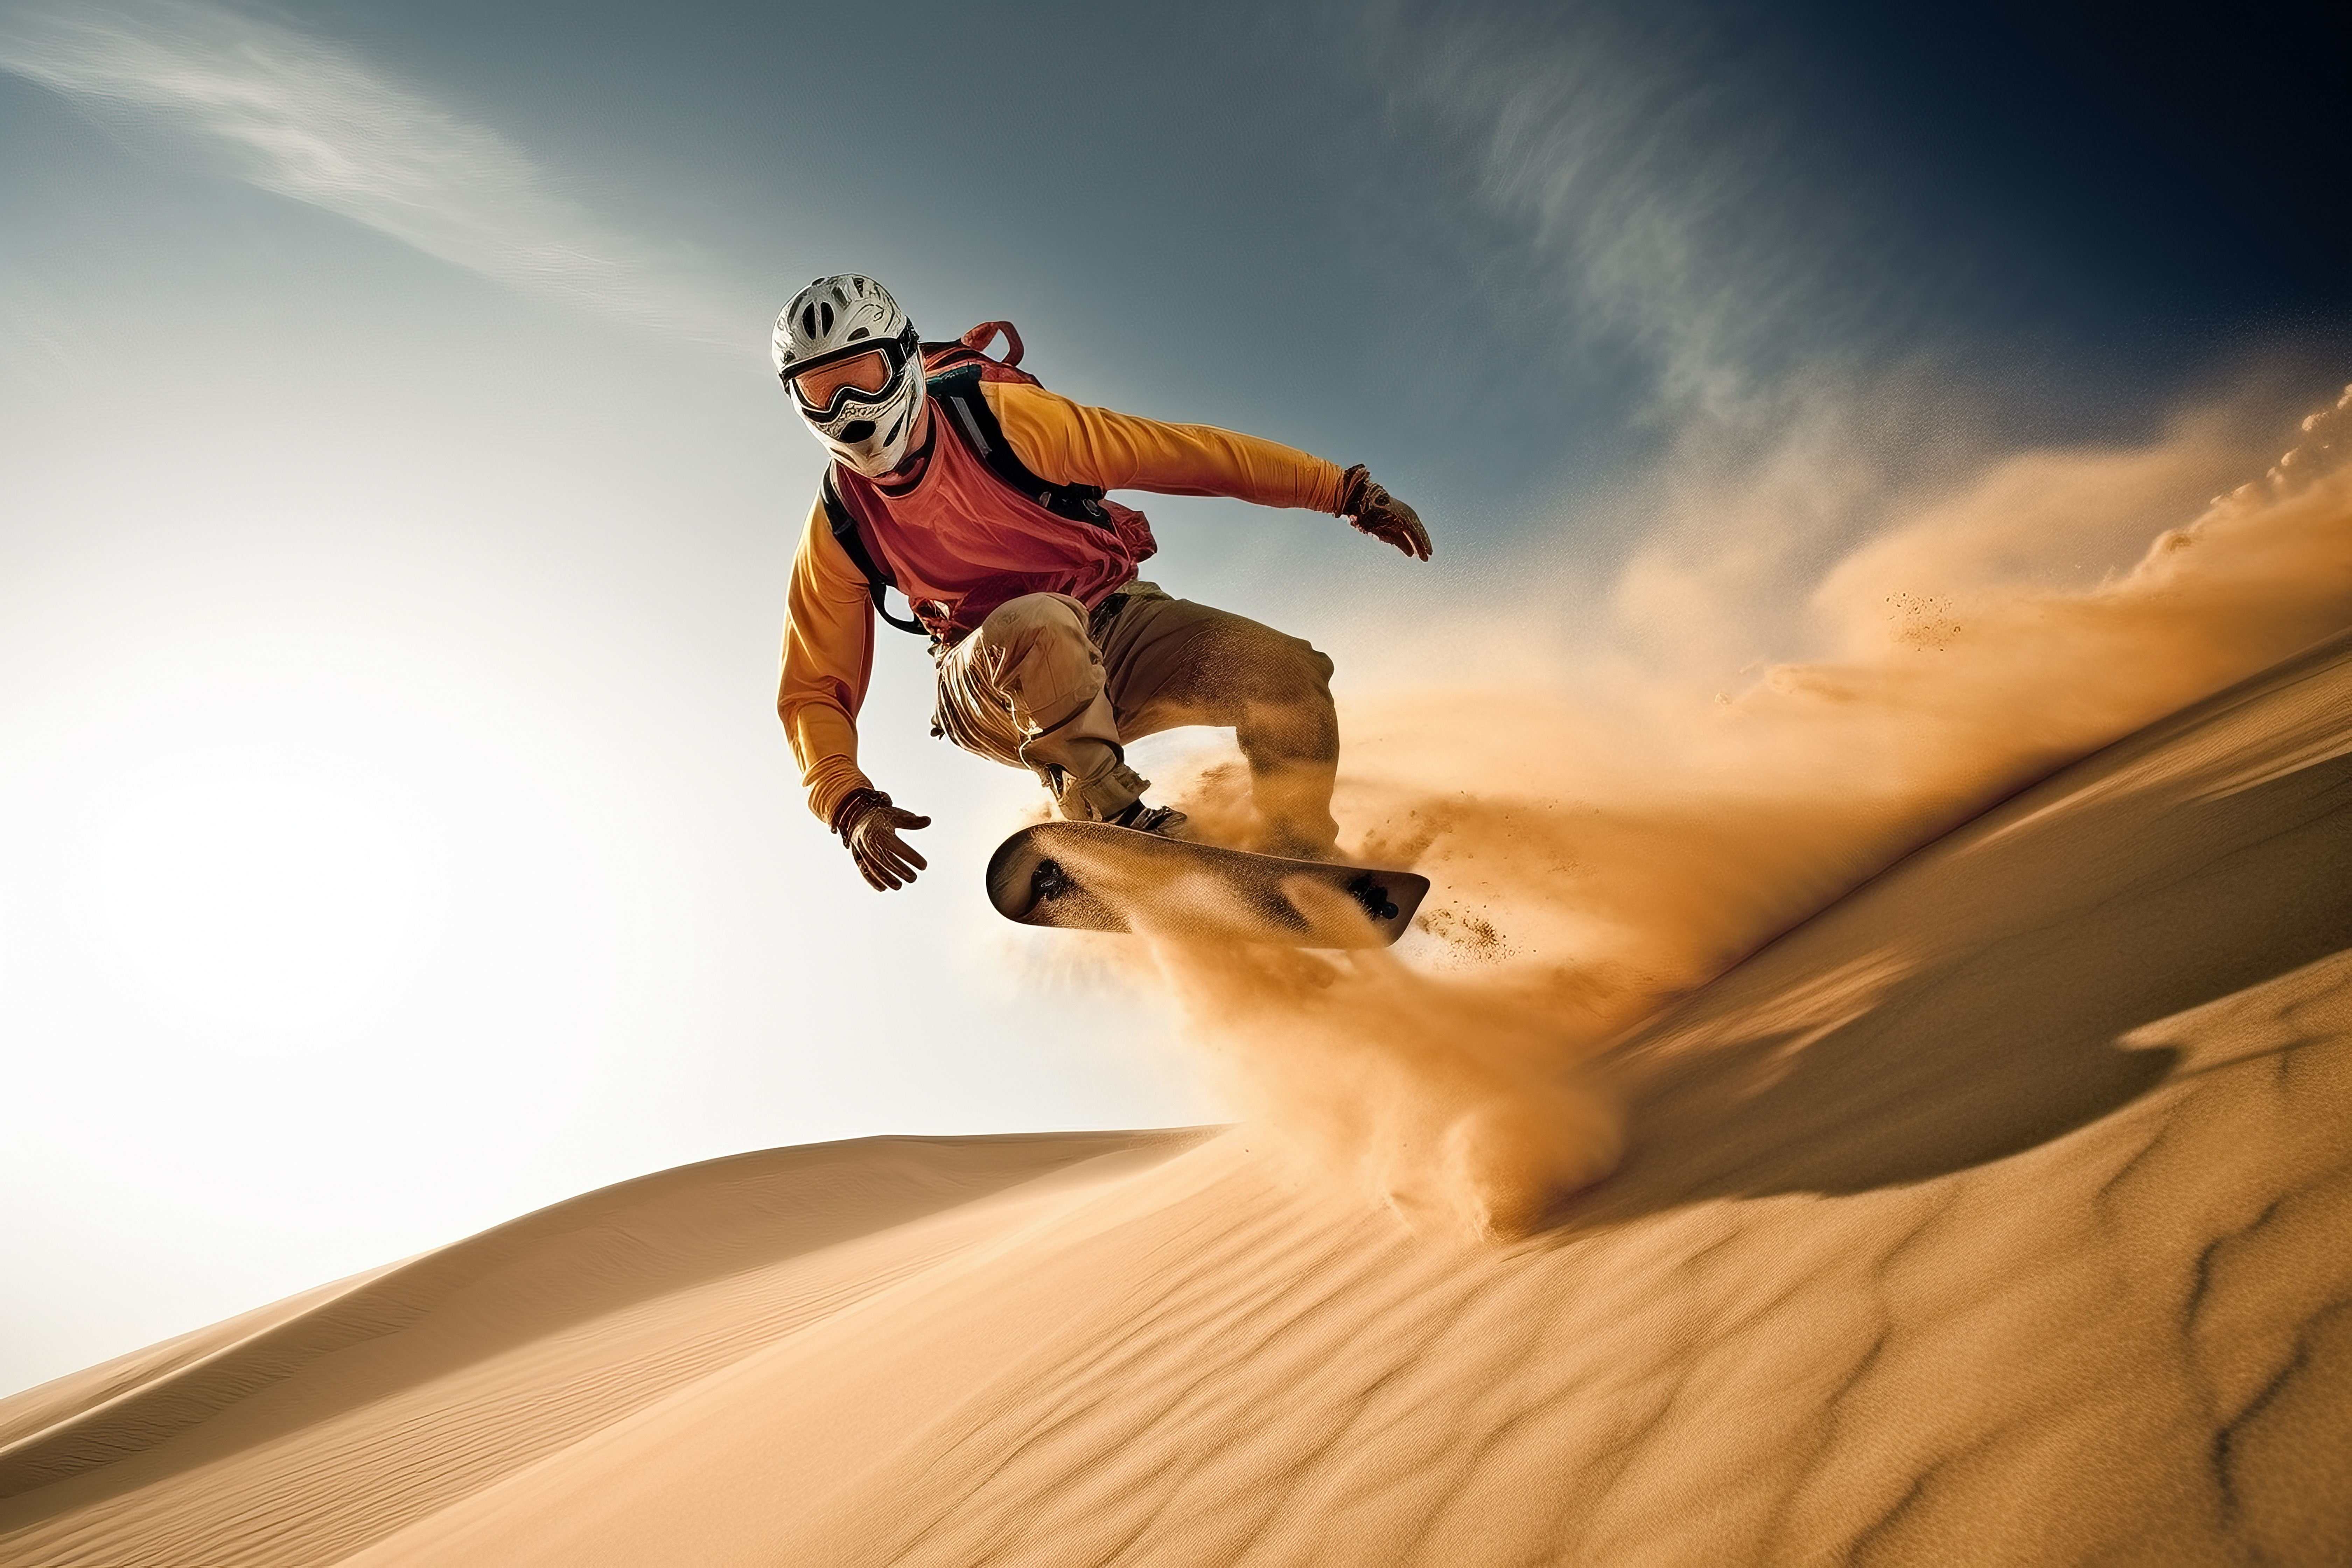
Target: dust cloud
(1606, 833)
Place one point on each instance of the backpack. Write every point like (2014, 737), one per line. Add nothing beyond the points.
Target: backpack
(952, 373)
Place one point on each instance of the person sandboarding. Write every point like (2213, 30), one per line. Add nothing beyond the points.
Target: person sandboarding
(959, 481)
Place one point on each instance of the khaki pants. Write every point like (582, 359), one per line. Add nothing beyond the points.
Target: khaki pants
(1041, 685)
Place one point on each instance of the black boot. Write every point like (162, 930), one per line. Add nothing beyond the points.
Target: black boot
(1164, 820)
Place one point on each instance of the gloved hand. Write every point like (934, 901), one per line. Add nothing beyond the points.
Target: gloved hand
(1370, 509)
(868, 825)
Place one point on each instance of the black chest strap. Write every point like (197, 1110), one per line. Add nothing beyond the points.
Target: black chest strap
(878, 576)
(956, 395)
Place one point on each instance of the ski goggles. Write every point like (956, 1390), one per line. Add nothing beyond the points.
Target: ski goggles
(826, 387)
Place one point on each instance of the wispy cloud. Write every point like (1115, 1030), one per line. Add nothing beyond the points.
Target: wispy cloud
(1648, 164)
(312, 121)
(1668, 200)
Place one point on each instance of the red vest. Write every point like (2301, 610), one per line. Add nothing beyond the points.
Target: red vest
(962, 540)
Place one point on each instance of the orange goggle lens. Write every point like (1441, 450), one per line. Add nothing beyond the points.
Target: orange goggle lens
(866, 372)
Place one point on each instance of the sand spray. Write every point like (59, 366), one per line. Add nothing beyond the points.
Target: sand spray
(1608, 832)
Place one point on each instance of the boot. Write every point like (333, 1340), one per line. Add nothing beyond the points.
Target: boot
(1164, 820)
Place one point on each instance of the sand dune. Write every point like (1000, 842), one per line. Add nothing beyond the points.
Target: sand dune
(2001, 1212)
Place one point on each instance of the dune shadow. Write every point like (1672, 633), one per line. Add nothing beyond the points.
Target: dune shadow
(2012, 960)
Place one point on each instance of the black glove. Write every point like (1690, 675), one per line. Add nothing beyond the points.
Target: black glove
(1370, 509)
(868, 825)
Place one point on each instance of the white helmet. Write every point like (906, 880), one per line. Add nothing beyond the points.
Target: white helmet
(865, 410)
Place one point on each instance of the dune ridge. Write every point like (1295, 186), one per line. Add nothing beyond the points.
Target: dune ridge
(1997, 1213)
(382, 1336)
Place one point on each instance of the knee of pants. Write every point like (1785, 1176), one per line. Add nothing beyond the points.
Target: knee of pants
(1301, 672)
(1054, 617)
(1320, 663)
(1265, 661)
(1036, 656)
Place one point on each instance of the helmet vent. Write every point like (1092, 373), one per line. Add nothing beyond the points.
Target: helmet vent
(860, 332)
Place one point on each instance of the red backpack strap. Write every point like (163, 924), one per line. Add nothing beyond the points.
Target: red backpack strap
(971, 349)
(979, 336)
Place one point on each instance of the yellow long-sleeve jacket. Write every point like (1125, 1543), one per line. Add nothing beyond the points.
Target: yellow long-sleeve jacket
(828, 652)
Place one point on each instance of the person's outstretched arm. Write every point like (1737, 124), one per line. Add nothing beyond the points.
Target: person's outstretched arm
(1072, 443)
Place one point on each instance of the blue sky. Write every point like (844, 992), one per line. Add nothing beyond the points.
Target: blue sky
(396, 501)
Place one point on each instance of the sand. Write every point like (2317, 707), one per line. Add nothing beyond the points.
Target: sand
(2000, 1212)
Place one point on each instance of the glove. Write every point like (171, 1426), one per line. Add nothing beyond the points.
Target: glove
(868, 825)
(1370, 509)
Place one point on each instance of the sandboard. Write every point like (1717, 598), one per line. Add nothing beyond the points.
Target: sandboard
(1090, 876)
